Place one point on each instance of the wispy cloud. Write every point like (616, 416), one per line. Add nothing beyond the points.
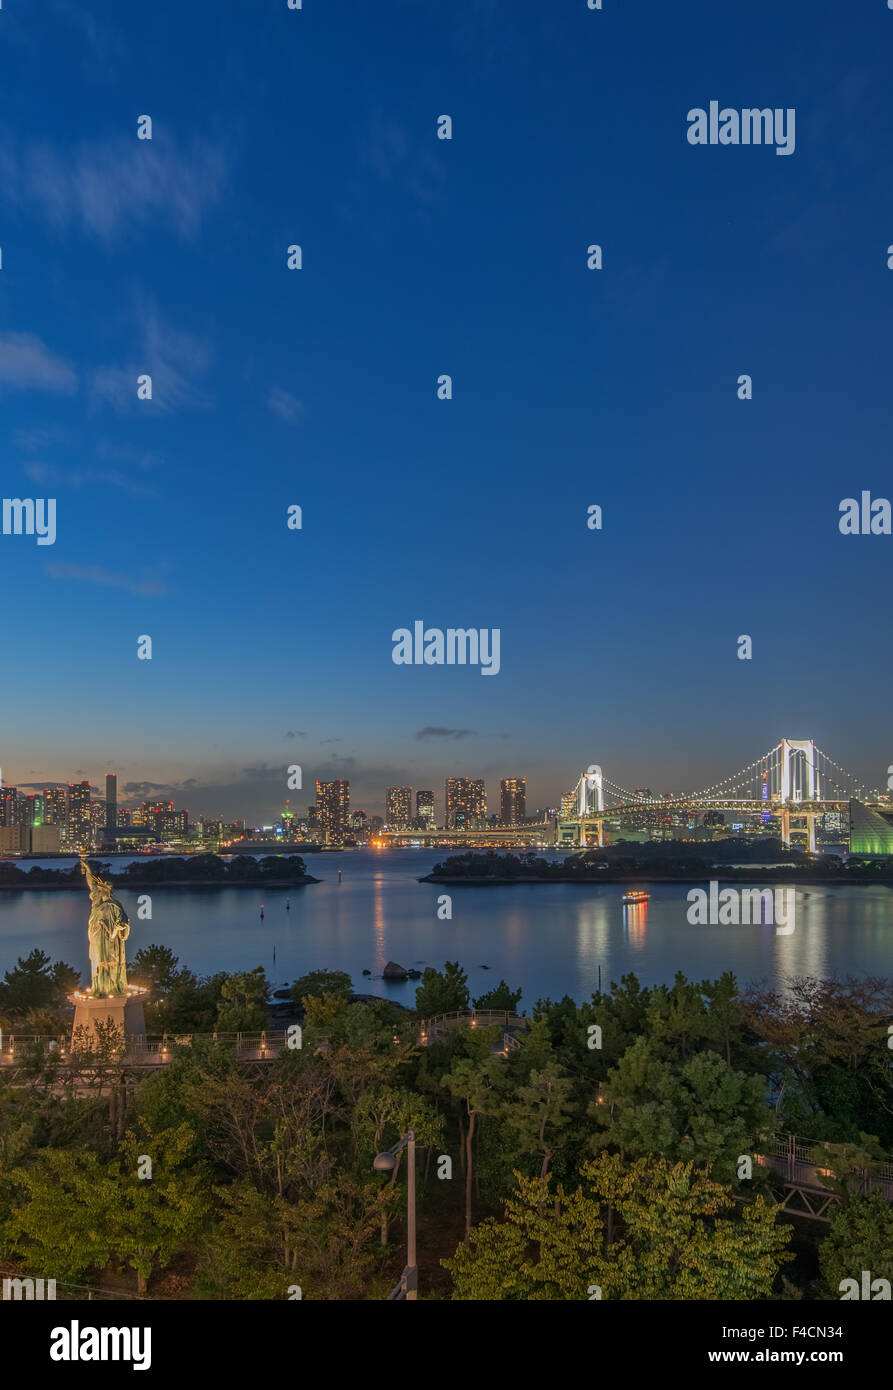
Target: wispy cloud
(45, 475)
(437, 731)
(95, 574)
(119, 185)
(388, 151)
(27, 364)
(104, 45)
(37, 438)
(170, 356)
(284, 404)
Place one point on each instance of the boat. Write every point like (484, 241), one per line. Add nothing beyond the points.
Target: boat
(636, 896)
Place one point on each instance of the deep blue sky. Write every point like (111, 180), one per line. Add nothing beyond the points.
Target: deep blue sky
(317, 387)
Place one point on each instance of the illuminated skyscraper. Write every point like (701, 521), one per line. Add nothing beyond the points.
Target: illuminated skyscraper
(513, 797)
(78, 828)
(111, 800)
(398, 807)
(333, 810)
(424, 809)
(55, 806)
(466, 803)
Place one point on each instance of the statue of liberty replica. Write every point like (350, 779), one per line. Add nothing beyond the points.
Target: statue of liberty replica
(110, 1000)
(108, 930)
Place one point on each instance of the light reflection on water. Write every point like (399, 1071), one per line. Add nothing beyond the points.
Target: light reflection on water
(550, 939)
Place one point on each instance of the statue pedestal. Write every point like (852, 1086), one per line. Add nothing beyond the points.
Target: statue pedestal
(125, 1012)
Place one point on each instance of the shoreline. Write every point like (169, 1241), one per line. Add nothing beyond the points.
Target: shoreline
(164, 883)
(736, 876)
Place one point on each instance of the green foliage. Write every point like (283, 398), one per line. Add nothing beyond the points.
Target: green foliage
(324, 1244)
(321, 982)
(540, 1117)
(647, 1230)
(442, 992)
(79, 1213)
(500, 997)
(321, 1010)
(155, 967)
(33, 986)
(860, 1238)
(699, 1110)
(243, 1002)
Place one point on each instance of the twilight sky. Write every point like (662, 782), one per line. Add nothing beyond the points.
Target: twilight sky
(570, 387)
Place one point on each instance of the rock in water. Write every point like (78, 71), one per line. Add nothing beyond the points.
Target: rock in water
(393, 971)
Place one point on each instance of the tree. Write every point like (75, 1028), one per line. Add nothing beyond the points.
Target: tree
(672, 1241)
(381, 1117)
(324, 1244)
(860, 1238)
(701, 1110)
(540, 1116)
(442, 992)
(243, 1002)
(500, 997)
(474, 1080)
(320, 983)
(322, 1009)
(547, 1248)
(678, 1016)
(36, 985)
(155, 967)
(80, 1212)
(191, 1006)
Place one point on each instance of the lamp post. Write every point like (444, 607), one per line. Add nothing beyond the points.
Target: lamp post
(386, 1163)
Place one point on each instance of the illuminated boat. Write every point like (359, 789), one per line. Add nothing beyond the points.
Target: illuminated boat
(637, 896)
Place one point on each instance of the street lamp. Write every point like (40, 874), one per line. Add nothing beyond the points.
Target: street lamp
(386, 1163)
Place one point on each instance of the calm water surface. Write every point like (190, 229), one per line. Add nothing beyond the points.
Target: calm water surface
(550, 939)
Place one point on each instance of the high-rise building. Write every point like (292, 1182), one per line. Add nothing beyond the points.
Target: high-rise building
(333, 810)
(569, 805)
(78, 827)
(38, 807)
(398, 807)
(466, 803)
(424, 810)
(55, 804)
(513, 799)
(162, 817)
(111, 800)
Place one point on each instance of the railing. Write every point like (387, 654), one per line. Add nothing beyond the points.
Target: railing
(795, 1158)
(139, 1047)
(473, 1018)
(429, 1029)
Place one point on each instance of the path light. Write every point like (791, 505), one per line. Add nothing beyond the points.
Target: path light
(386, 1163)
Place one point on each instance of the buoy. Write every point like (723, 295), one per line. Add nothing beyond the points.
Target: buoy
(339, 875)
